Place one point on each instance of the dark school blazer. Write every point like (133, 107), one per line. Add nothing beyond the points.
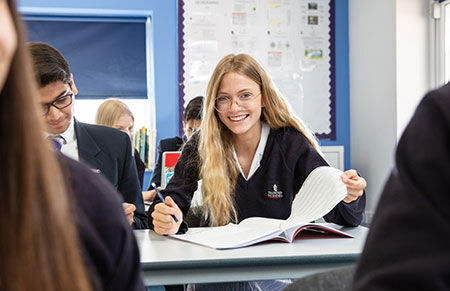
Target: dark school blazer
(107, 242)
(109, 151)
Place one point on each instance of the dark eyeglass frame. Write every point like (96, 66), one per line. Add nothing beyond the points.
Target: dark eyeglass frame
(46, 106)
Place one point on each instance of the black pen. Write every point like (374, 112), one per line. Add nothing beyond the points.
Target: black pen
(162, 199)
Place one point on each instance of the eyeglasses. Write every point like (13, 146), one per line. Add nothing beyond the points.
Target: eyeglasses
(223, 103)
(59, 103)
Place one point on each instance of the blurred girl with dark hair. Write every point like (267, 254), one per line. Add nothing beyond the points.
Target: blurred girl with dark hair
(50, 239)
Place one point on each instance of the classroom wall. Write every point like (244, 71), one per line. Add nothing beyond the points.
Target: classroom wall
(413, 61)
(389, 73)
(342, 82)
(166, 53)
(385, 43)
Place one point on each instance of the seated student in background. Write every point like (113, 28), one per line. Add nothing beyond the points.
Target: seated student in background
(408, 246)
(249, 141)
(114, 113)
(104, 149)
(62, 226)
(192, 118)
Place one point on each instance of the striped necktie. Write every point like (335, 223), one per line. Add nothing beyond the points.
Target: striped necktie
(58, 141)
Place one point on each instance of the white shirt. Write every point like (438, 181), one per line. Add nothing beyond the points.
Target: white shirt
(70, 147)
(265, 130)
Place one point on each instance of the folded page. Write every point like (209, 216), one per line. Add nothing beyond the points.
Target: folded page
(322, 190)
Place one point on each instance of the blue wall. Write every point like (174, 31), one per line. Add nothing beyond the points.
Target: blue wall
(342, 81)
(166, 60)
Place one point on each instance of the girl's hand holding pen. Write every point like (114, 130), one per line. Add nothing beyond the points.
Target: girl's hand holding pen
(161, 197)
(163, 221)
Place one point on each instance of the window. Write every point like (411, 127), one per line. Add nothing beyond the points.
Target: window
(107, 56)
(441, 15)
(446, 13)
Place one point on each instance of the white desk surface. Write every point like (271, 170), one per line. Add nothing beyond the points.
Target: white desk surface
(167, 261)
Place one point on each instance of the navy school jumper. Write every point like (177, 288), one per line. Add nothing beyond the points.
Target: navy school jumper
(288, 159)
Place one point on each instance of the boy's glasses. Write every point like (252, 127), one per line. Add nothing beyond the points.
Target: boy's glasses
(59, 103)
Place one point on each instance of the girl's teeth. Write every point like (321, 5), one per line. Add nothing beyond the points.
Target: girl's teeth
(237, 118)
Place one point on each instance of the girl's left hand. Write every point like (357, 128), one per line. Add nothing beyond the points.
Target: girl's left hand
(355, 185)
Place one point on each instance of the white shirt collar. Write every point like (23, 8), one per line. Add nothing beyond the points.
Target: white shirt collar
(69, 134)
(265, 130)
(70, 146)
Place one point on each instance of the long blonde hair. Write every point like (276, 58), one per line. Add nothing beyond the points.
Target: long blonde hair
(39, 242)
(218, 166)
(110, 111)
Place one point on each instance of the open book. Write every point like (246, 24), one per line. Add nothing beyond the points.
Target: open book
(320, 192)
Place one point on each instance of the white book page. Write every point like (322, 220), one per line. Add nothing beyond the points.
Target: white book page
(262, 222)
(249, 231)
(322, 190)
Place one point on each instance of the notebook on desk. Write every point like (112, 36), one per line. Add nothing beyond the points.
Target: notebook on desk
(169, 160)
(322, 190)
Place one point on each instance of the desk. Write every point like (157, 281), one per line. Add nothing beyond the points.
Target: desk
(166, 261)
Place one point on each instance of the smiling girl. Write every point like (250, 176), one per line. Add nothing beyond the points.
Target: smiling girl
(250, 145)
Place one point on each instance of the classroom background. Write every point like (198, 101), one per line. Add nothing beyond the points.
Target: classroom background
(386, 55)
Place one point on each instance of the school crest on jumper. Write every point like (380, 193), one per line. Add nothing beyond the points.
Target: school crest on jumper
(275, 194)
